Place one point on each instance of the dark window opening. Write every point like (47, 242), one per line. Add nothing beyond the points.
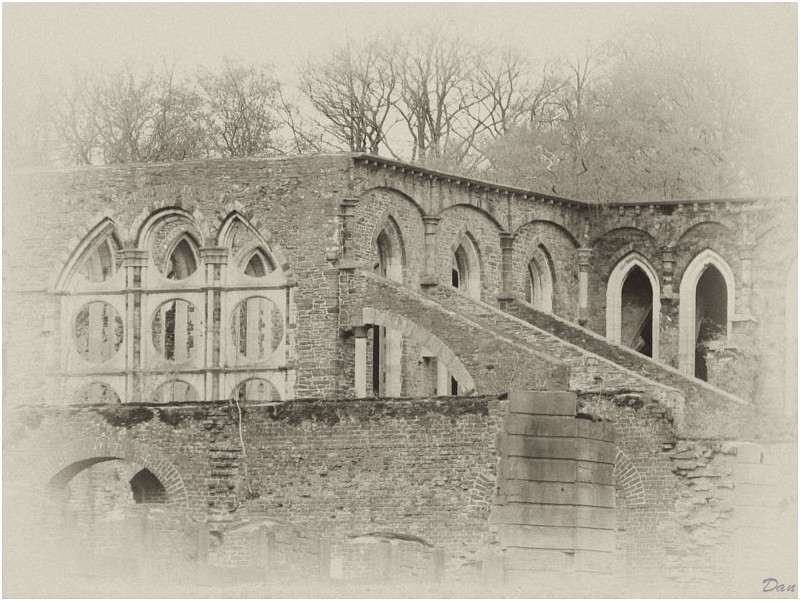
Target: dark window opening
(711, 316)
(453, 386)
(146, 488)
(182, 262)
(637, 312)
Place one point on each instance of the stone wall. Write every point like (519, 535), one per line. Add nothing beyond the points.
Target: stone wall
(337, 468)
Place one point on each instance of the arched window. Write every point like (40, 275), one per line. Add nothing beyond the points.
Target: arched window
(539, 281)
(182, 261)
(195, 313)
(101, 263)
(707, 301)
(146, 488)
(465, 269)
(633, 305)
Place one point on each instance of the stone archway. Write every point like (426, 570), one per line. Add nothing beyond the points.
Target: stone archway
(707, 265)
(630, 266)
(73, 458)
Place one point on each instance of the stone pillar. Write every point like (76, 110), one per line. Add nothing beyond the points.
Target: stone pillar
(442, 378)
(134, 262)
(360, 333)
(348, 222)
(746, 254)
(393, 363)
(584, 255)
(507, 248)
(431, 227)
(215, 261)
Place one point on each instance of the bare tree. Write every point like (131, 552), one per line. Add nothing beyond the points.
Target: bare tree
(74, 120)
(354, 90)
(240, 110)
(124, 106)
(434, 71)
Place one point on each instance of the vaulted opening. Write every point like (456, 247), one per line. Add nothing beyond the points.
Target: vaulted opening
(182, 261)
(465, 272)
(637, 312)
(711, 316)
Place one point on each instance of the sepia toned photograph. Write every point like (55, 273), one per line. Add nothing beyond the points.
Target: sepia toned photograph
(386, 300)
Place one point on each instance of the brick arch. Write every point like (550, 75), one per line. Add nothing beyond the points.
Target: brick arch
(628, 478)
(695, 223)
(598, 239)
(148, 225)
(472, 204)
(414, 331)
(152, 213)
(236, 211)
(559, 225)
(71, 459)
(398, 191)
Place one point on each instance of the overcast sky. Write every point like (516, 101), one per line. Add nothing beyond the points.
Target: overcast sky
(41, 41)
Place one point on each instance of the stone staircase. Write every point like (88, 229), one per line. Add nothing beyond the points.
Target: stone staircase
(599, 365)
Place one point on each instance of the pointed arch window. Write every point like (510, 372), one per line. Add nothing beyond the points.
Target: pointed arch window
(259, 265)
(633, 305)
(706, 310)
(465, 269)
(539, 281)
(101, 263)
(182, 260)
(175, 316)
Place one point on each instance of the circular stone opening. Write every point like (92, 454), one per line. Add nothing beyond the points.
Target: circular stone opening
(98, 332)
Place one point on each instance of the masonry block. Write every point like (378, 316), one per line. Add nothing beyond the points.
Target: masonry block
(542, 403)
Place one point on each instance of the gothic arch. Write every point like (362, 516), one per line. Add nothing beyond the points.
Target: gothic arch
(614, 289)
(701, 221)
(387, 238)
(394, 190)
(467, 262)
(106, 229)
(598, 239)
(419, 334)
(559, 226)
(69, 460)
(265, 239)
(687, 307)
(476, 207)
(159, 218)
(541, 277)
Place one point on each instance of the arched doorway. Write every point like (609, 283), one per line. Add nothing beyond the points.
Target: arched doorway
(707, 297)
(633, 305)
(108, 516)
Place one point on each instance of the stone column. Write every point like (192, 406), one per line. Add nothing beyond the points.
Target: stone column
(442, 378)
(134, 262)
(668, 332)
(393, 363)
(507, 248)
(584, 255)
(215, 261)
(348, 222)
(431, 227)
(746, 253)
(360, 333)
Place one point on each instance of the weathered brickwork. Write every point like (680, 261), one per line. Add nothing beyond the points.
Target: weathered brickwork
(306, 476)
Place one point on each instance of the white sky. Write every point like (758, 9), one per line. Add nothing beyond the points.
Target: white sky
(42, 41)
